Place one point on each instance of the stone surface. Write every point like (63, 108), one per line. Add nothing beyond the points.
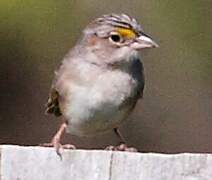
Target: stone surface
(39, 163)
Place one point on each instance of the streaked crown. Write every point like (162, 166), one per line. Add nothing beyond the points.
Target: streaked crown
(121, 21)
(124, 24)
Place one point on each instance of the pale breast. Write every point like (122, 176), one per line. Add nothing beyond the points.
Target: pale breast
(98, 103)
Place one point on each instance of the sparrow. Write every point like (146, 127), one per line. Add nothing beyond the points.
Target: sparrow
(100, 79)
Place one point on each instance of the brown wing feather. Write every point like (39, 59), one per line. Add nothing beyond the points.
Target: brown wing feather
(52, 106)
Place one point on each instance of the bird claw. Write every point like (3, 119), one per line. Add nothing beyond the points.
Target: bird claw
(68, 146)
(58, 146)
(121, 147)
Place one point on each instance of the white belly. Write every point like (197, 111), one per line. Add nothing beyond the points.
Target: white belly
(98, 107)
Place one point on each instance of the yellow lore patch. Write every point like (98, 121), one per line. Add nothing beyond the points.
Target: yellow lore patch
(128, 33)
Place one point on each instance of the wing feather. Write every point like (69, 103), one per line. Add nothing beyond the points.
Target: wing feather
(52, 106)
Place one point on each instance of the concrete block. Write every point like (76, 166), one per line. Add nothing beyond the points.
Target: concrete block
(39, 163)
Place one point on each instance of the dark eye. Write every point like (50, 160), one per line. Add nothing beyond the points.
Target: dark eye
(115, 38)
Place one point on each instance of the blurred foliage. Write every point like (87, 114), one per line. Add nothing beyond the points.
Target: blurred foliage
(175, 114)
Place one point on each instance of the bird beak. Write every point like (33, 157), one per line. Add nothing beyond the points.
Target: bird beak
(143, 42)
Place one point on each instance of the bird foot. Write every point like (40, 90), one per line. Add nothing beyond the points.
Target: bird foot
(121, 147)
(56, 141)
(58, 146)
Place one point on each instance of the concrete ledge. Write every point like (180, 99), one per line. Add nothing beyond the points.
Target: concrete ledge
(38, 163)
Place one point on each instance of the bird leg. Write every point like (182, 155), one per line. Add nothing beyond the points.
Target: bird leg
(119, 135)
(122, 145)
(55, 142)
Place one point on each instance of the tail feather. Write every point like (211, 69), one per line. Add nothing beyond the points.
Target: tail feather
(52, 106)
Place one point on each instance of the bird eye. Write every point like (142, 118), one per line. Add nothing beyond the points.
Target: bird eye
(115, 38)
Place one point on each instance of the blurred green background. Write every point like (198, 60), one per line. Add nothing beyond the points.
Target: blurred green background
(176, 112)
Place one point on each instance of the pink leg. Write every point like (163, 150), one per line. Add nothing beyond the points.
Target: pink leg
(55, 142)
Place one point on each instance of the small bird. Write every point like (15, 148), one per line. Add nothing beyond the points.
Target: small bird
(100, 79)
